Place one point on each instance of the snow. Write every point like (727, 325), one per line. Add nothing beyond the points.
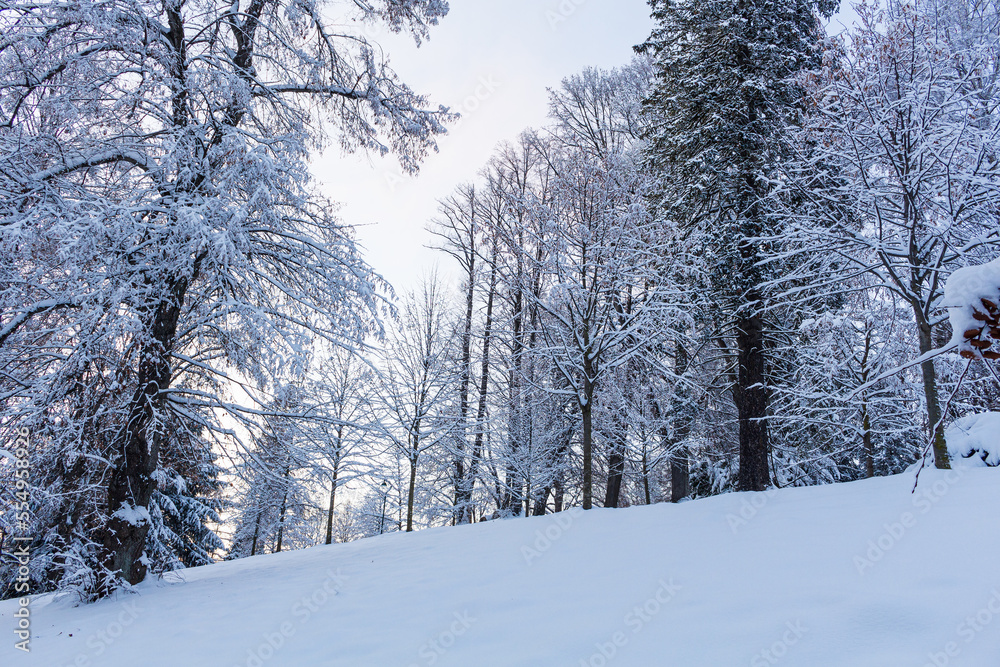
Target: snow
(135, 516)
(975, 438)
(964, 290)
(853, 574)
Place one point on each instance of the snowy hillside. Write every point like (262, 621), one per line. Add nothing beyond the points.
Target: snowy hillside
(852, 574)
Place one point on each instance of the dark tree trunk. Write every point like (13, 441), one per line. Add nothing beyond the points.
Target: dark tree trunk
(484, 385)
(645, 476)
(333, 499)
(680, 465)
(462, 492)
(586, 412)
(284, 510)
(413, 487)
(137, 447)
(935, 424)
(680, 476)
(558, 494)
(866, 424)
(511, 500)
(751, 404)
(541, 499)
(256, 535)
(281, 523)
(616, 465)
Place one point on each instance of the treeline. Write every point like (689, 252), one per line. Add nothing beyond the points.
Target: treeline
(720, 267)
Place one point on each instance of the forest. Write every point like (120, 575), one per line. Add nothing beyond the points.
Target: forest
(719, 267)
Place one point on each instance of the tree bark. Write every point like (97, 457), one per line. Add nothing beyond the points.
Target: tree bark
(256, 535)
(484, 382)
(680, 465)
(137, 447)
(412, 490)
(616, 465)
(541, 500)
(751, 404)
(333, 498)
(935, 424)
(462, 494)
(586, 410)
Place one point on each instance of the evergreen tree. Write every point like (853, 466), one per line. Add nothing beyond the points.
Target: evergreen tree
(185, 509)
(724, 95)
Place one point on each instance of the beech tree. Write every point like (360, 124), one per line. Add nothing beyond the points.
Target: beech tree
(161, 228)
(908, 119)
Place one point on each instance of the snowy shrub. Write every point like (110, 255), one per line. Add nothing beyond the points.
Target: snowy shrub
(976, 438)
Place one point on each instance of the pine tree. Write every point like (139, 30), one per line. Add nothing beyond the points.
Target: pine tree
(722, 101)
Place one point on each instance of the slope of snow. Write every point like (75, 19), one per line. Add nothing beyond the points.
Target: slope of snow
(853, 574)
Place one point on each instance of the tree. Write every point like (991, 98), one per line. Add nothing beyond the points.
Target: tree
(722, 101)
(417, 376)
(276, 506)
(459, 231)
(908, 117)
(157, 206)
(338, 426)
(188, 502)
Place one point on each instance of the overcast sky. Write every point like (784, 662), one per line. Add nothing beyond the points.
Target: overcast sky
(491, 61)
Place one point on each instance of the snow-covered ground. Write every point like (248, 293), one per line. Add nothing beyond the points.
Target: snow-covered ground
(850, 574)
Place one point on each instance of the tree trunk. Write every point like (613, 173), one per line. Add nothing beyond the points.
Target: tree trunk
(866, 440)
(137, 448)
(411, 492)
(680, 475)
(866, 423)
(680, 465)
(333, 498)
(586, 410)
(541, 500)
(645, 475)
(281, 523)
(462, 493)
(935, 422)
(484, 382)
(256, 535)
(616, 465)
(284, 510)
(511, 500)
(751, 404)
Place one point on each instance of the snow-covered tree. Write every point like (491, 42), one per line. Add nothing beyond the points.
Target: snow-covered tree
(162, 232)
(906, 119)
(723, 98)
(411, 404)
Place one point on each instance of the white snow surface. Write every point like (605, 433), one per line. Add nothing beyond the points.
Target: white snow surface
(975, 439)
(963, 290)
(855, 574)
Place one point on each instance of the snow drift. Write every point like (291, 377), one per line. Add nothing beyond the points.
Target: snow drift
(975, 438)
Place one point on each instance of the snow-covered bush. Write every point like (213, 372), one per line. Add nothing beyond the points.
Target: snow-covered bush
(976, 438)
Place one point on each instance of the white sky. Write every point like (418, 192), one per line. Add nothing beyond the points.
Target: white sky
(491, 61)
